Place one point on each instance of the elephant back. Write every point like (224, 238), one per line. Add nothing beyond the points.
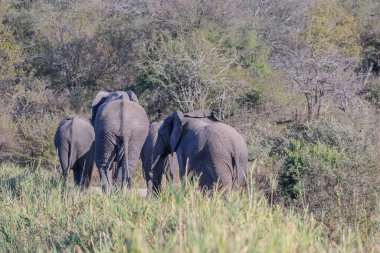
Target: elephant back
(119, 115)
(153, 130)
(66, 119)
(202, 114)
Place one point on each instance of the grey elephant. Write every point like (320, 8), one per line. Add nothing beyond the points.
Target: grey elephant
(205, 147)
(166, 166)
(121, 126)
(75, 141)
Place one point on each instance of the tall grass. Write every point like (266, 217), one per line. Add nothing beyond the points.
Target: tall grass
(36, 217)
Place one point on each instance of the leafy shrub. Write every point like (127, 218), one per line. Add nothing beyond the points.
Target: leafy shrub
(299, 157)
(36, 137)
(332, 167)
(8, 135)
(332, 27)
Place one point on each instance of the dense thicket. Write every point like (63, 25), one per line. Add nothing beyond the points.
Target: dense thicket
(299, 79)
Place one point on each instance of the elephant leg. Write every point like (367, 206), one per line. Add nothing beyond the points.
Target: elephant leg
(87, 172)
(106, 179)
(116, 173)
(169, 170)
(157, 175)
(64, 177)
(209, 177)
(242, 169)
(146, 170)
(119, 174)
(188, 172)
(78, 173)
(118, 165)
(183, 167)
(132, 158)
(104, 156)
(222, 173)
(87, 175)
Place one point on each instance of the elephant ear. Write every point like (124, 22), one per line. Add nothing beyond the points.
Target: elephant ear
(133, 97)
(176, 120)
(202, 114)
(98, 100)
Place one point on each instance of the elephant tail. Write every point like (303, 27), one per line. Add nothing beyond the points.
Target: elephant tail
(125, 168)
(126, 175)
(235, 171)
(65, 157)
(70, 150)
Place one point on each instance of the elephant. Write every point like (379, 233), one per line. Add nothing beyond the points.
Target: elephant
(121, 126)
(205, 147)
(166, 166)
(75, 141)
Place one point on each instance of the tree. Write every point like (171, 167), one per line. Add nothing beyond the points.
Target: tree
(80, 44)
(331, 28)
(193, 72)
(330, 75)
(10, 52)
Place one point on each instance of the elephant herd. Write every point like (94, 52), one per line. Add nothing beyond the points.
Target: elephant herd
(118, 134)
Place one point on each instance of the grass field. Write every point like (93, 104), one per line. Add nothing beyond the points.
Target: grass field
(36, 217)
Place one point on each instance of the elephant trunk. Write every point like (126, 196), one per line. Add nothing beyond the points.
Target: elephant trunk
(156, 172)
(155, 163)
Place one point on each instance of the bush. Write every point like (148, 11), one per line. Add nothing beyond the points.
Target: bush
(332, 168)
(36, 137)
(8, 136)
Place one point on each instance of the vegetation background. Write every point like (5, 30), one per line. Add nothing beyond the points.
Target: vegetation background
(299, 79)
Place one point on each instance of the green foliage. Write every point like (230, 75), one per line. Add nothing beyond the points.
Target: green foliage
(77, 43)
(7, 135)
(194, 72)
(10, 51)
(206, 69)
(367, 15)
(332, 28)
(36, 137)
(293, 170)
(298, 156)
(191, 222)
(332, 167)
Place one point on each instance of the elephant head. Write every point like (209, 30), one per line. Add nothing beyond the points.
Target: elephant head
(169, 136)
(170, 131)
(167, 141)
(103, 96)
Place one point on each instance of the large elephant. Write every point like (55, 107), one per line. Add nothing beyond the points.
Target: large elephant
(166, 166)
(205, 147)
(121, 126)
(75, 141)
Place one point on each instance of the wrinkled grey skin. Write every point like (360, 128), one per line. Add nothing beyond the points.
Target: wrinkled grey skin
(121, 126)
(75, 141)
(205, 147)
(167, 166)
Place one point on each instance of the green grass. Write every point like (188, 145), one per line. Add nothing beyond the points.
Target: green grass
(34, 217)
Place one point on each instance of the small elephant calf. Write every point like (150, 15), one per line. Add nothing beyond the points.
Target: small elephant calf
(75, 141)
